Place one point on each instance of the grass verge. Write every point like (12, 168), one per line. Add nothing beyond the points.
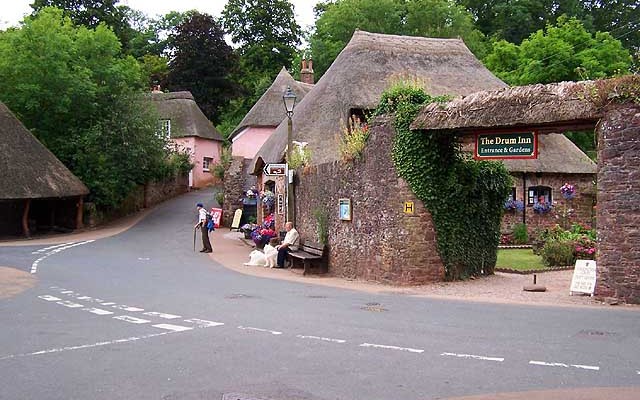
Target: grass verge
(519, 260)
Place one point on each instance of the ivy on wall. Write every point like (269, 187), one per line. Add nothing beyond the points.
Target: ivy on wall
(465, 197)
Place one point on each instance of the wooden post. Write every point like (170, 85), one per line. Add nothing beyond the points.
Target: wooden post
(80, 213)
(25, 218)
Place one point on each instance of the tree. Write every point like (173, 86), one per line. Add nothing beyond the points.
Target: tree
(72, 87)
(433, 18)
(566, 51)
(91, 13)
(202, 64)
(265, 30)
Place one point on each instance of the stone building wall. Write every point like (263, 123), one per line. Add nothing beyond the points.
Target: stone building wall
(381, 243)
(234, 182)
(582, 204)
(618, 211)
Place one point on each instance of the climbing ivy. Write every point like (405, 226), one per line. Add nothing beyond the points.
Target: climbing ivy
(465, 197)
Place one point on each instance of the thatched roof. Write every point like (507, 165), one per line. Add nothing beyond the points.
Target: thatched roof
(28, 170)
(367, 66)
(557, 106)
(556, 154)
(269, 109)
(186, 117)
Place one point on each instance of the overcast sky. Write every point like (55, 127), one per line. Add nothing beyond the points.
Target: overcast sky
(12, 11)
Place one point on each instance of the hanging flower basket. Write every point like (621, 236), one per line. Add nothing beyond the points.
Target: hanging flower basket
(542, 208)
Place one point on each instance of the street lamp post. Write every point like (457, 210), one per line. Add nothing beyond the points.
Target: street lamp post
(289, 99)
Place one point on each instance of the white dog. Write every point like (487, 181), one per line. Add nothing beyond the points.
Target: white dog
(257, 258)
(270, 253)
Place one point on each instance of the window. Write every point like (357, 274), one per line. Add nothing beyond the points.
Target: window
(540, 194)
(512, 195)
(206, 163)
(165, 128)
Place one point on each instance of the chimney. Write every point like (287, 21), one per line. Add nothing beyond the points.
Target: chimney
(306, 73)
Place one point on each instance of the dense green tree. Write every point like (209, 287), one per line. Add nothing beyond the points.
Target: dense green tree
(265, 31)
(202, 64)
(565, 51)
(75, 91)
(91, 13)
(337, 20)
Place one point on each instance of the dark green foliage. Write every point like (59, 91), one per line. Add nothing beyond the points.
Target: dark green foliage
(322, 227)
(556, 253)
(520, 234)
(464, 197)
(202, 64)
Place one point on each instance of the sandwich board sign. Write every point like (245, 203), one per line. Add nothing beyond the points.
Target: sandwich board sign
(236, 219)
(584, 277)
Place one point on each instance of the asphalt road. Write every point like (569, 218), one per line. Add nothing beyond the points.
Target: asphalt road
(141, 315)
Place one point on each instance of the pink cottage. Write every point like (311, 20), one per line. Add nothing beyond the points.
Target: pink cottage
(189, 129)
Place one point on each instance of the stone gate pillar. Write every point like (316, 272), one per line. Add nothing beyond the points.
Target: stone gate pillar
(618, 209)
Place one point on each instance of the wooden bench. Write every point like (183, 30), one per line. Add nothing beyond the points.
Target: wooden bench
(309, 252)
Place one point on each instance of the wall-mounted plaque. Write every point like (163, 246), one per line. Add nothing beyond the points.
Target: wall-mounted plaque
(345, 209)
(500, 146)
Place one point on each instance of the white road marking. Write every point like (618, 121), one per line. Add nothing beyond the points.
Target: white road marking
(67, 292)
(143, 258)
(49, 298)
(51, 247)
(54, 250)
(107, 304)
(563, 365)
(248, 328)
(203, 323)
(98, 311)
(69, 304)
(472, 356)
(161, 315)
(132, 320)
(84, 346)
(175, 328)
(127, 308)
(321, 338)
(382, 346)
(87, 298)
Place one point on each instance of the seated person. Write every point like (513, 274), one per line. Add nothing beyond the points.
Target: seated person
(290, 243)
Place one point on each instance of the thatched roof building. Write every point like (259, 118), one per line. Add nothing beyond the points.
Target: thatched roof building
(269, 109)
(28, 170)
(557, 106)
(367, 66)
(187, 120)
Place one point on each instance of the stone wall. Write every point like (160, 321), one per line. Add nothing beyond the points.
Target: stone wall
(618, 211)
(381, 243)
(236, 181)
(582, 204)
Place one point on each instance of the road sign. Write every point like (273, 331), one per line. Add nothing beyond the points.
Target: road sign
(275, 169)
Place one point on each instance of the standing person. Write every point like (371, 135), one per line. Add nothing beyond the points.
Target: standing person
(290, 242)
(202, 224)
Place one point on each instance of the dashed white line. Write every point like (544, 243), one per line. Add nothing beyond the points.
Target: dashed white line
(248, 328)
(161, 315)
(203, 323)
(475, 357)
(84, 346)
(69, 304)
(174, 328)
(51, 247)
(98, 311)
(563, 365)
(383, 346)
(49, 298)
(127, 308)
(107, 304)
(325, 339)
(54, 250)
(133, 320)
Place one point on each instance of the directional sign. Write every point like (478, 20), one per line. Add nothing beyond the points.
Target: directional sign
(275, 169)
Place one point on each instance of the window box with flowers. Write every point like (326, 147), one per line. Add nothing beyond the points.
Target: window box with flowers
(514, 205)
(542, 208)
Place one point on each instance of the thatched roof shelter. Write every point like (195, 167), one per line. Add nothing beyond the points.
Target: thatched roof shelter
(28, 170)
(186, 117)
(556, 107)
(269, 109)
(368, 65)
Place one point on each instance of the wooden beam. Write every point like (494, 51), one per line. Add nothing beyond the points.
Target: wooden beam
(25, 218)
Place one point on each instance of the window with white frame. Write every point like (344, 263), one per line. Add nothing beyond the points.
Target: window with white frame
(539, 194)
(165, 128)
(206, 163)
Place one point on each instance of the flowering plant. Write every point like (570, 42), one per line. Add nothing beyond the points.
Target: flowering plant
(568, 191)
(585, 249)
(512, 205)
(268, 199)
(250, 193)
(542, 208)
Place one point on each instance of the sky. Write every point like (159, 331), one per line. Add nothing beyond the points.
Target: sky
(12, 11)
